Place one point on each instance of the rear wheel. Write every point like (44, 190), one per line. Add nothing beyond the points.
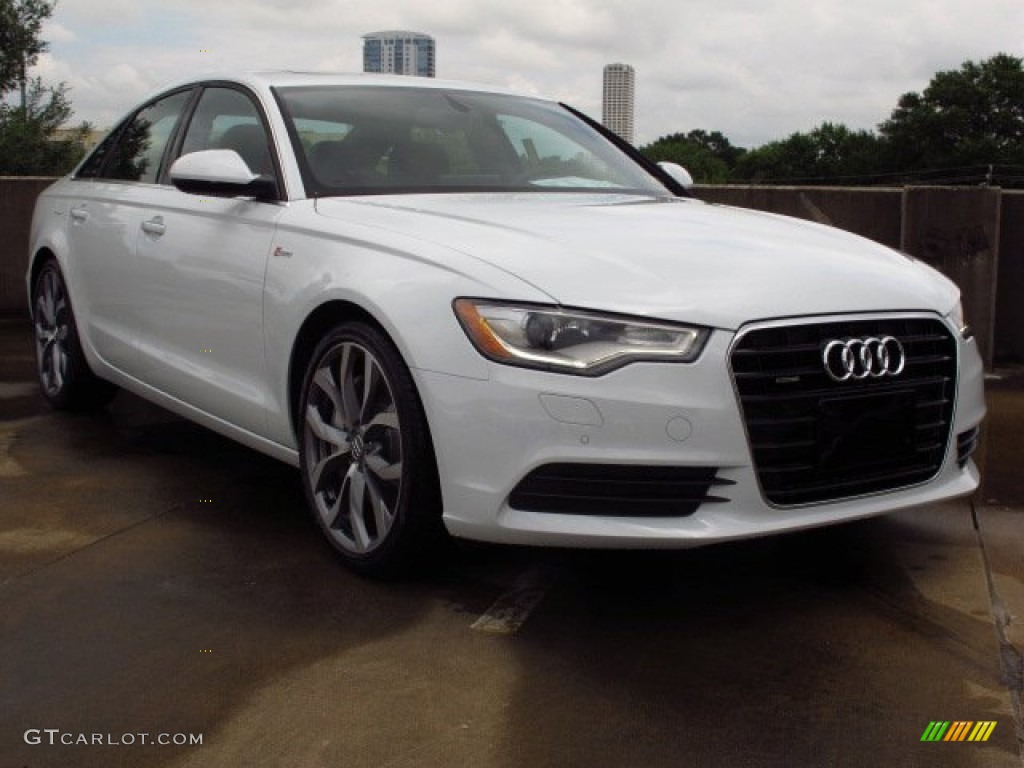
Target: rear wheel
(367, 463)
(64, 374)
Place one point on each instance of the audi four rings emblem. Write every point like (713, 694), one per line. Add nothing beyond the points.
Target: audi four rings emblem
(863, 358)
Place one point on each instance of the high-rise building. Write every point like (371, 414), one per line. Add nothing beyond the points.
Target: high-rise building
(399, 52)
(617, 104)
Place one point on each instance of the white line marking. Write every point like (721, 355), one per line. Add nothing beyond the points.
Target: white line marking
(508, 613)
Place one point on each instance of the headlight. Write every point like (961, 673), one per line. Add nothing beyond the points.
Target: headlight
(958, 319)
(568, 341)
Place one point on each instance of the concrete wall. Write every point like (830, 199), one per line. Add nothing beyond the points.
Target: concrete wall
(956, 230)
(1009, 321)
(17, 199)
(873, 213)
(974, 235)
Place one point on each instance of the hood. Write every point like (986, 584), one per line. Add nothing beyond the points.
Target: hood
(675, 259)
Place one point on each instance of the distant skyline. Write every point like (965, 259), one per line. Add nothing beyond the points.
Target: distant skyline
(755, 71)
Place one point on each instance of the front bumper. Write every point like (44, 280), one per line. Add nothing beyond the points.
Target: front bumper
(489, 435)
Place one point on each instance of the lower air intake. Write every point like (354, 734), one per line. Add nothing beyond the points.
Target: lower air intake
(966, 445)
(616, 490)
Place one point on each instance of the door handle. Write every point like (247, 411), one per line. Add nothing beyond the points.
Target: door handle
(79, 214)
(154, 226)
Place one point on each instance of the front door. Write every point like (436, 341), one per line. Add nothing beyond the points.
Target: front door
(201, 263)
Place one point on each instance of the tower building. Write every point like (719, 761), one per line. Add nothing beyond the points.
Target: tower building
(617, 103)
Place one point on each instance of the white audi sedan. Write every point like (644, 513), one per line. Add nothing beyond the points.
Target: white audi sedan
(460, 310)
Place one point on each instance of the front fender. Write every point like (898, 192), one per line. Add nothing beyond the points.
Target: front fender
(404, 284)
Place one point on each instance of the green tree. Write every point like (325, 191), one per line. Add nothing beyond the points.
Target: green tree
(967, 126)
(965, 117)
(21, 23)
(829, 154)
(789, 160)
(709, 157)
(27, 134)
(28, 131)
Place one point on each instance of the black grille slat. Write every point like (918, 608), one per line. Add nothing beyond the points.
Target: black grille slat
(853, 486)
(782, 373)
(852, 389)
(768, 422)
(617, 490)
(814, 439)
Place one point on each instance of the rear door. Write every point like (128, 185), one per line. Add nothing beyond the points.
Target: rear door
(104, 216)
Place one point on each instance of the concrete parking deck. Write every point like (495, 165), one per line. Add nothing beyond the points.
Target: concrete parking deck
(157, 579)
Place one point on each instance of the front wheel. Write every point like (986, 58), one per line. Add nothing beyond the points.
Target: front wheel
(64, 374)
(367, 463)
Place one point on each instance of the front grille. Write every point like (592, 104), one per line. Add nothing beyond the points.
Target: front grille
(616, 490)
(814, 439)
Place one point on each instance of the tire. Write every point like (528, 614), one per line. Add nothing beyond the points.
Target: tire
(367, 462)
(64, 374)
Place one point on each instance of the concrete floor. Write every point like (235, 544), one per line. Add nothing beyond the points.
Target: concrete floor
(158, 579)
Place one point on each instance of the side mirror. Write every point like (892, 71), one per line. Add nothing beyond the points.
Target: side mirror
(679, 174)
(220, 173)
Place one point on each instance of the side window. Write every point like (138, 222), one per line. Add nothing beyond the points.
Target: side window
(228, 119)
(141, 144)
(93, 164)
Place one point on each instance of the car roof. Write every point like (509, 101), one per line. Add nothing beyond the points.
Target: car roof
(266, 79)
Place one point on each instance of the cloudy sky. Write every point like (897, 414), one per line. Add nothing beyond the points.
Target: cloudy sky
(757, 70)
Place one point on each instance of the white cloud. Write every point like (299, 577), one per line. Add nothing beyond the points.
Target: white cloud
(73, 12)
(755, 71)
(57, 33)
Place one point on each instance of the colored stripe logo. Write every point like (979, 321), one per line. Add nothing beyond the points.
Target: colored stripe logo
(958, 730)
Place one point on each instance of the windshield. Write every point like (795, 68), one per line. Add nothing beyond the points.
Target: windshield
(367, 140)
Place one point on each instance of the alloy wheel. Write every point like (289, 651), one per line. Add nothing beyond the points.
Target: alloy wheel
(52, 329)
(353, 445)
